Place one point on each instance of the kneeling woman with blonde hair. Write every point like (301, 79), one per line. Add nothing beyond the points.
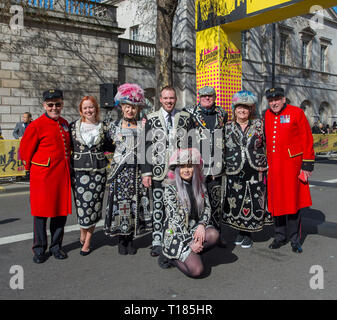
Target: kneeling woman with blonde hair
(186, 229)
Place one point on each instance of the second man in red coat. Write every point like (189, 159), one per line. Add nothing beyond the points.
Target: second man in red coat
(291, 159)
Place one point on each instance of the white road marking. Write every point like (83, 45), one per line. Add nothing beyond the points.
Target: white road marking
(326, 181)
(29, 236)
(4, 194)
(75, 227)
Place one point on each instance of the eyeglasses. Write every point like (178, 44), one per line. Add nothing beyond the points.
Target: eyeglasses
(57, 105)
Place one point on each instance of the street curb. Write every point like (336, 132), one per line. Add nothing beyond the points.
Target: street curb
(22, 187)
(322, 228)
(14, 188)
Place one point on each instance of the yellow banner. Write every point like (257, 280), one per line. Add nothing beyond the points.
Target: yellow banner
(10, 162)
(245, 14)
(230, 68)
(325, 142)
(219, 63)
(258, 5)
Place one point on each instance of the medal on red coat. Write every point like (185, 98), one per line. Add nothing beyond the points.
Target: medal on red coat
(285, 119)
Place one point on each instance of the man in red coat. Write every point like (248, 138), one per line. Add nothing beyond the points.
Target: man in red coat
(45, 151)
(291, 159)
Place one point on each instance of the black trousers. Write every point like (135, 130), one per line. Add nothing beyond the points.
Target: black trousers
(290, 223)
(40, 243)
(214, 193)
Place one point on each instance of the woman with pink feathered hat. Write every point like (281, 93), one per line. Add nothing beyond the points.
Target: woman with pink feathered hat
(187, 231)
(128, 213)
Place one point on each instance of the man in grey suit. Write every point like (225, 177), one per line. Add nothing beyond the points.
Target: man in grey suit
(20, 127)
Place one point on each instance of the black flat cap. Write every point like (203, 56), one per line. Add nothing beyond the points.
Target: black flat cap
(52, 94)
(274, 92)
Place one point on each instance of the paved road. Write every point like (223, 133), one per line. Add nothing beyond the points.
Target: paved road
(231, 273)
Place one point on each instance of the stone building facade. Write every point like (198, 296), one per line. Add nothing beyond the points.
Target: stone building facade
(137, 49)
(74, 51)
(305, 48)
(78, 48)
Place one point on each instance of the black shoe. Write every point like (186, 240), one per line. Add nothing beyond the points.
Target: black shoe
(222, 243)
(60, 254)
(40, 258)
(122, 245)
(247, 242)
(164, 262)
(277, 244)
(296, 248)
(131, 249)
(155, 251)
(85, 253)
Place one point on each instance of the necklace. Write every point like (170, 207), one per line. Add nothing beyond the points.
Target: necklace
(130, 121)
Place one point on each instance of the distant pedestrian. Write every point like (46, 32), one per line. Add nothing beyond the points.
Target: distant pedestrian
(90, 139)
(20, 127)
(45, 151)
(327, 129)
(291, 159)
(322, 129)
(315, 129)
(334, 127)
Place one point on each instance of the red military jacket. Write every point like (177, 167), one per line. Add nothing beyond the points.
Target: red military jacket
(45, 151)
(289, 144)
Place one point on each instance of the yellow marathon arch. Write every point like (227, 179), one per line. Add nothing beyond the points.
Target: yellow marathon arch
(219, 23)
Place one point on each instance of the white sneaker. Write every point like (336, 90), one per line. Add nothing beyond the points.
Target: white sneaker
(239, 239)
(247, 242)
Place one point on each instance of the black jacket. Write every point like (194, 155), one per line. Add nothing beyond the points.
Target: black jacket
(89, 159)
(245, 146)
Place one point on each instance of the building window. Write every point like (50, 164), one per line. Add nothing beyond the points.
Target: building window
(283, 48)
(134, 33)
(244, 41)
(323, 58)
(305, 45)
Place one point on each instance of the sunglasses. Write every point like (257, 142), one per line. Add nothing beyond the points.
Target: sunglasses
(57, 104)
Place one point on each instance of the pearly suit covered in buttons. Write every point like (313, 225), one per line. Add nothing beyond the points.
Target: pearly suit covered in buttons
(45, 151)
